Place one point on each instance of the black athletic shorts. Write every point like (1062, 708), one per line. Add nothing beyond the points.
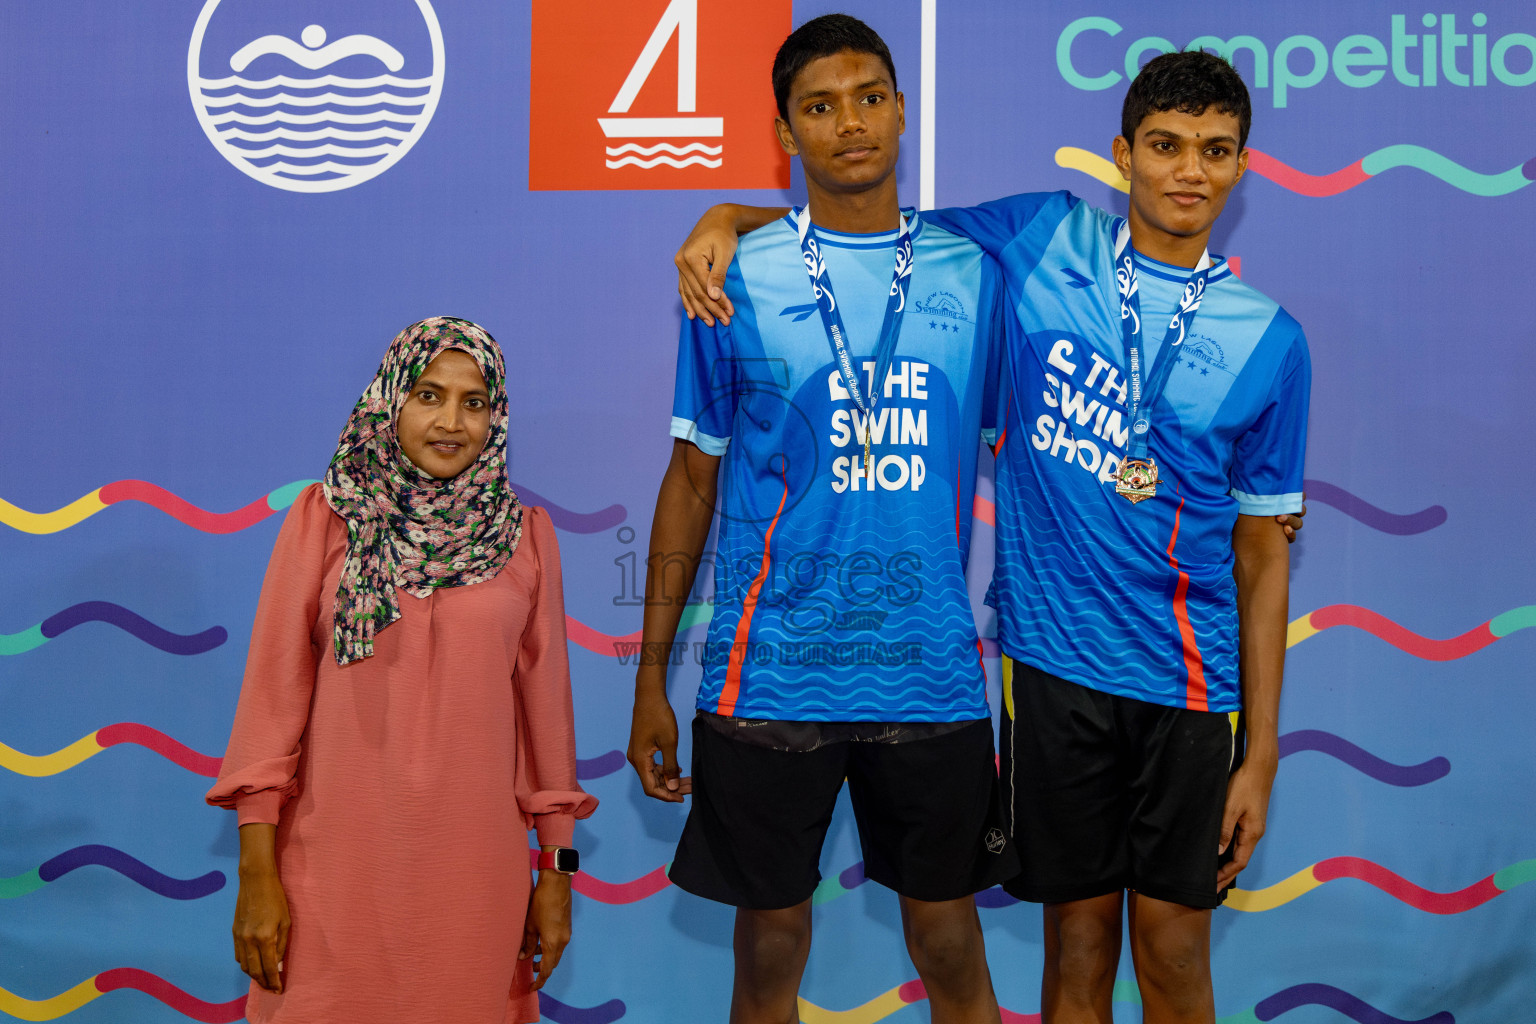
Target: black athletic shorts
(1105, 793)
(925, 798)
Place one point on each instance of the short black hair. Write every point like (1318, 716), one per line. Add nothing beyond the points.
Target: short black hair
(822, 37)
(1190, 82)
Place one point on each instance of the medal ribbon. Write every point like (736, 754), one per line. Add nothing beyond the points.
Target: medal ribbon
(832, 317)
(1147, 388)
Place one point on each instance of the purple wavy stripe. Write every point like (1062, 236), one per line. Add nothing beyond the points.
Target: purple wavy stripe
(1370, 515)
(558, 1012)
(852, 876)
(135, 624)
(994, 898)
(1336, 999)
(597, 767)
(1363, 760)
(574, 522)
(148, 877)
(1529, 169)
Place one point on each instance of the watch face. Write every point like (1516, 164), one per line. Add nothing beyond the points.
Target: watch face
(567, 861)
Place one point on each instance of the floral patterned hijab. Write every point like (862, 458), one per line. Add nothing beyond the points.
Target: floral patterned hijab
(405, 527)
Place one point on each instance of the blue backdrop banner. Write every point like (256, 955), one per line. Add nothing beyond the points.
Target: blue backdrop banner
(217, 214)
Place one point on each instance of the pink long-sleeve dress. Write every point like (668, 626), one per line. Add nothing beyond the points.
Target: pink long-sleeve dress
(403, 785)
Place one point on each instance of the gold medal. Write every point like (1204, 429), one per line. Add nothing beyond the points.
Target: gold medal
(1137, 480)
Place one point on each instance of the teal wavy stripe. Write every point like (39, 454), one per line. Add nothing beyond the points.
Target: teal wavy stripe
(20, 643)
(1446, 169)
(20, 885)
(287, 494)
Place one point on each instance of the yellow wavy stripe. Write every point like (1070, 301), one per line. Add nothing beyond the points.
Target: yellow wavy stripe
(1256, 900)
(1093, 165)
(1300, 630)
(49, 1009)
(38, 765)
(51, 522)
(877, 1008)
(1008, 687)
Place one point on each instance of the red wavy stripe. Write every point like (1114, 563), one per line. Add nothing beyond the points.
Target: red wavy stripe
(1404, 640)
(1302, 183)
(179, 508)
(160, 743)
(1400, 888)
(913, 991)
(595, 641)
(170, 995)
(645, 886)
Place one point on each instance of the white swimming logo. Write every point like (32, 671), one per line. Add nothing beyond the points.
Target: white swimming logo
(314, 132)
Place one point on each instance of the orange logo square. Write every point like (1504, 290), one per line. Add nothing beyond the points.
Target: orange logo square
(648, 94)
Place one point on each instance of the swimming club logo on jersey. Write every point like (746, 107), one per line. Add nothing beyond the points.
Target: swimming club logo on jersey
(315, 96)
(943, 311)
(655, 94)
(1202, 354)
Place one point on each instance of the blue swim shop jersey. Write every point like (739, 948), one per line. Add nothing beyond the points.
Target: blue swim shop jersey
(838, 598)
(1139, 599)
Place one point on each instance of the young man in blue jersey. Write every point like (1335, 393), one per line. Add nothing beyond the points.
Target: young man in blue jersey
(837, 439)
(1155, 422)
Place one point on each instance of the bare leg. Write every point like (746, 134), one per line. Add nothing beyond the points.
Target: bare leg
(771, 948)
(945, 943)
(1171, 947)
(1082, 950)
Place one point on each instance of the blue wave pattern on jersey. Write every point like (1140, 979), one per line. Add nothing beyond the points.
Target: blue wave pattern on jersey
(862, 612)
(1087, 584)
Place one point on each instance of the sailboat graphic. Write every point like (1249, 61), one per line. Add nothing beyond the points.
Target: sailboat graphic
(307, 128)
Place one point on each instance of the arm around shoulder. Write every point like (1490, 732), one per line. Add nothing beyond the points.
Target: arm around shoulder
(706, 255)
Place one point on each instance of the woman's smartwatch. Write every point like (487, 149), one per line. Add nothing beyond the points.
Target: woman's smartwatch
(562, 859)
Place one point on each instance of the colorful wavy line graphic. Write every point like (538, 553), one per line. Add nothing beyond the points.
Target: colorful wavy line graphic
(1297, 742)
(574, 522)
(1267, 1009)
(93, 743)
(130, 622)
(1470, 642)
(110, 857)
(1321, 185)
(604, 1013)
(89, 746)
(225, 1013)
(1312, 994)
(1377, 519)
(588, 768)
(589, 885)
(1335, 999)
(627, 646)
(118, 978)
(179, 508)
(1362, 760)
(1394, 885)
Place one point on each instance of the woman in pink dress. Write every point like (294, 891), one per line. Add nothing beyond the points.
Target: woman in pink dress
(405, 719)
